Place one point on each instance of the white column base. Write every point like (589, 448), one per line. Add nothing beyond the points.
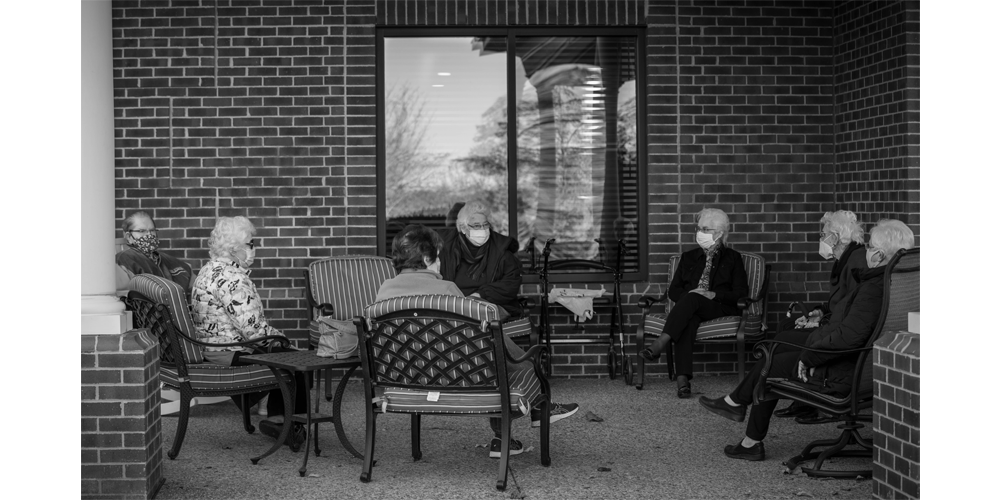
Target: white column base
(104, 315)
(174, 405)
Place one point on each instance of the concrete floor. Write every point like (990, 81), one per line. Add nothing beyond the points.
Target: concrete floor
(650, 445)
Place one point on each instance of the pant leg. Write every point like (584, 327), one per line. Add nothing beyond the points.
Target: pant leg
(275, 401)
(515, 351)
(783, 365)
(682, 325)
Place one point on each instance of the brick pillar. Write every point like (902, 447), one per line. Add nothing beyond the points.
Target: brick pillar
(122, 455)
(896, 416)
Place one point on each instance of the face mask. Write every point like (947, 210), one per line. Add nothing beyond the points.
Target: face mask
(479, 236)
(870, 254)
(826, 246)
(705, 240)
(250, 254)
(146, 244)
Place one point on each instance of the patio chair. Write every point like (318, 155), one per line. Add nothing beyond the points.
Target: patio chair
(159, 305)
(441, 354)
(749, 326)
(341, 287)
(902, 296)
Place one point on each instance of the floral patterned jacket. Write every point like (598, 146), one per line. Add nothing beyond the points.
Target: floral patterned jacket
(225, 306)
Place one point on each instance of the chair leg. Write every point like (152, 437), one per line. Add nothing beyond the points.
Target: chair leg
(245, 405)
(505, 449)
(182, 423)
(543, 433)
(415, 436)
(669, 353)
(329, 382)
(834, 448)
(741, 354)
(369, 460)
(640, 341)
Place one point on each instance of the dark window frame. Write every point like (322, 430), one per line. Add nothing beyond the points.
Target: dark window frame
(642, 231)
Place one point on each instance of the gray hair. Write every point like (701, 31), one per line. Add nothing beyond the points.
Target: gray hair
(845, 225)
(715, 213)
(890, 235)
(129, 221)
(228, 235)
(470, 209)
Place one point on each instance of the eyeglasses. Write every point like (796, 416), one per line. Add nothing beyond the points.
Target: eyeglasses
(252, 245)
(485, 225)
(143, 232)
(704, 229)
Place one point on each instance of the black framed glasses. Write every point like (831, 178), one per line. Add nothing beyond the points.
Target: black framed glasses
(704, 229)
(484, 225)
(252, 245)
(142, 232)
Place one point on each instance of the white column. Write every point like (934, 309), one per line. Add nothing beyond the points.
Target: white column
(101, 312)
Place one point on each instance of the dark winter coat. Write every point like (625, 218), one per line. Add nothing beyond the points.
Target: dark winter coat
(728, 278)
(851, 325)
(500, 281)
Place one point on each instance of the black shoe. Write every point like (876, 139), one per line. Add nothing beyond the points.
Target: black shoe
(795, 410)
(817, 417)
(720, 407)
(295, 438)
(754, 453)
(648, 355)
(684, 391)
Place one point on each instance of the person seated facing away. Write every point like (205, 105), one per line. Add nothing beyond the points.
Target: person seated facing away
(842, 239)
(143, 256)
(225, 308)
(707, 283)
(416, 257)
(851, 325)
(481, 261)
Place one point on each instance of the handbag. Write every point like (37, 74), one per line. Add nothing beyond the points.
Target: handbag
(337, 339)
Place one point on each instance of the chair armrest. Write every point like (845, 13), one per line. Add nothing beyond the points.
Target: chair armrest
(259, 340)
(534, 352)
(765, 349)
(647, 301)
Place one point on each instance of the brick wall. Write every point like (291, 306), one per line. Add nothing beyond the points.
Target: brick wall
(121, 446)
(896, 416)
(267, 109)
(877, 68)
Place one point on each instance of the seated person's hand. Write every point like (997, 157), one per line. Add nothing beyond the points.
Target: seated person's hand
(704, 293)
(804, 373)
(476, 295)
(810, 321)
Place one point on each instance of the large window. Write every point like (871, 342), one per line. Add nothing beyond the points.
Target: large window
(566, 168)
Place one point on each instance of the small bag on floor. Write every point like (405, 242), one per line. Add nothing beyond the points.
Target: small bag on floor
(337, 339)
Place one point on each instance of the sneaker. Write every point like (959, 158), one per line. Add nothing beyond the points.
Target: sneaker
(516, 448)
(557, 412)
(754, 453)
(262, 407)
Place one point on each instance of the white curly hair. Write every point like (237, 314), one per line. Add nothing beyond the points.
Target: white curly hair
(228, 235)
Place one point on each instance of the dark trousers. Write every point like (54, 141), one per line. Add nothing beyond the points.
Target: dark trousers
(784, 365)
(682, 324)
(275, 402)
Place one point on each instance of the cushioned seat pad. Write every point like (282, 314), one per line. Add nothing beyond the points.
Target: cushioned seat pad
(525, 389)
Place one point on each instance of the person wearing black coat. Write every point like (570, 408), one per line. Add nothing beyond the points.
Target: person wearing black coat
(852, 323)
(700, 294)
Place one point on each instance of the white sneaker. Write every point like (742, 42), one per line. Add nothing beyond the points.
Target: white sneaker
(262, 407)
(557, 412)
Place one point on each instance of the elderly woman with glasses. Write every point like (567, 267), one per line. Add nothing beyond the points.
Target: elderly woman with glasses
(226, 308)
(843, 240)
(143, 256)
(707, 283)
(481, 261)
(851, 325)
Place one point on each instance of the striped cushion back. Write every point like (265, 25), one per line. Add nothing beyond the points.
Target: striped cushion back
(348, 283)
(163, 291)
(754, 265)
(465, 306)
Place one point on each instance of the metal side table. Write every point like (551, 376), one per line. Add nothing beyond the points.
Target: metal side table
(285, 365)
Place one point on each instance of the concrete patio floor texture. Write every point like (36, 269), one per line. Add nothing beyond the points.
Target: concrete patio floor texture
(649, 445)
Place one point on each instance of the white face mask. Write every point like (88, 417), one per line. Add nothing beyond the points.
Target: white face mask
(433, 266)
(250, 254)
(479, 236)
(826, 248)
(705, 240)
(870, 257)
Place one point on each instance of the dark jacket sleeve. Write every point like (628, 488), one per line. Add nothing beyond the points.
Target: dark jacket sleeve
(504, 289)
(738, 287)
(678, 285)
(852, 332)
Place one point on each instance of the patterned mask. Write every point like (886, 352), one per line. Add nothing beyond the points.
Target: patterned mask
(146, 244)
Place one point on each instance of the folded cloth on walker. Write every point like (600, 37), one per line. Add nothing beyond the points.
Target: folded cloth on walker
(578, 300)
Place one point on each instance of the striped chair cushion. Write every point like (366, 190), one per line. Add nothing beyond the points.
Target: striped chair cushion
(166, 292)
(465, 306)
(212, 377)
(726, 326)
(525, 389)
(348, 283)
(517, 327)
